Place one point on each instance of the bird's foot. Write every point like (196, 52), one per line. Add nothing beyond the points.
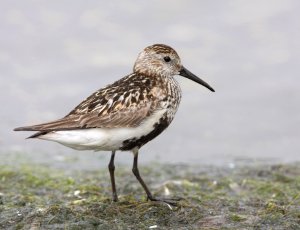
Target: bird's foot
(171, 201)
(115, 197)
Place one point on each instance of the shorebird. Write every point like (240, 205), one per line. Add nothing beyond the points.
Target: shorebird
(124, 115)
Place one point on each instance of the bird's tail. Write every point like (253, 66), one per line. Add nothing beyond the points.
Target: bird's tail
(26, 128)
(31, 128)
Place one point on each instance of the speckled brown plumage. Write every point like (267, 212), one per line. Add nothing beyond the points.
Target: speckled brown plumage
(125, 103)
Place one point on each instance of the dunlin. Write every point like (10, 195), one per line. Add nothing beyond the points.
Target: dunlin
(126, 114)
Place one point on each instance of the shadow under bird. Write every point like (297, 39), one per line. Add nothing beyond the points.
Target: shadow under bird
(126, 114)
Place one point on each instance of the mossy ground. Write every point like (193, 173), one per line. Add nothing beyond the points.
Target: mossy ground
(253, 197)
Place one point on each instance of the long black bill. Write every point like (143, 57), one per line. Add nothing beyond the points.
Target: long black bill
(185, 73)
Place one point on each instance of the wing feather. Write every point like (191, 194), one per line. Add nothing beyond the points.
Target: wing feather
(114, 106)
(123, 118)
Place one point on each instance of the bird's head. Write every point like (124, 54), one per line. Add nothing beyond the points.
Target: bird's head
(162, 60)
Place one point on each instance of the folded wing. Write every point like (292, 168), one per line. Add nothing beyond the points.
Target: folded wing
(114, 106)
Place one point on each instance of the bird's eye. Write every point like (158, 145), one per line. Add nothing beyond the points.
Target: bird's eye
(167, 58)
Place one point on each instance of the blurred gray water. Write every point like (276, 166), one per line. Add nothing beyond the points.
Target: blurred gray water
(53, 54)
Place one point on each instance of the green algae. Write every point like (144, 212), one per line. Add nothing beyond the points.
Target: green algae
(254, 197)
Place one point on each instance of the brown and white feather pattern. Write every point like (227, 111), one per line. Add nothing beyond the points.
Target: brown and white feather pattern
(125, 103)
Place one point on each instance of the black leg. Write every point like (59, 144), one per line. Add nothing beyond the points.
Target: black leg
(111, 168)
(135, 170)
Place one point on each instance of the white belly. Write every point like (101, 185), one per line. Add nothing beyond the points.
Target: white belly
(102, 138)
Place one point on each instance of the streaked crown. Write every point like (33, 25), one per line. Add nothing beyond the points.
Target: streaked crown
(158, 60)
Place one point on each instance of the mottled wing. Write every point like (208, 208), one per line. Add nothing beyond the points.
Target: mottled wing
(129, 117)
(114, 106)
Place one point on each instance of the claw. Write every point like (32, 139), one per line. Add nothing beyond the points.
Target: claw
(171, 201)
